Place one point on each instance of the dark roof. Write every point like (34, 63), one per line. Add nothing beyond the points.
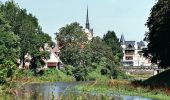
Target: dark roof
(140, 44)
(122, 39)
(128, 43)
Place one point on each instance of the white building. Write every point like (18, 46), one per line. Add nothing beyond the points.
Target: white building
(54, 60)
(133, 53)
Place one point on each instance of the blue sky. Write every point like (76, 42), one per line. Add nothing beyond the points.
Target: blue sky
(126, 17)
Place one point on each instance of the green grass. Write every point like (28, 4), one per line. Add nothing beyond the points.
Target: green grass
(87, 96)
(96, 76)
(27, 77)
(49, 75)
(159, 80)
(155, 87)
(53, 75)
(122, 87)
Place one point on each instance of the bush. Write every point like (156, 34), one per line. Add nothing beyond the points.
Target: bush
(104, 71)
(54, 75)
(7, 70)
(80, 73)
(96, 76)
(118, 74)
(68, 69)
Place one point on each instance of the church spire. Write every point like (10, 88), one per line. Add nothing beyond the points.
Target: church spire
(87, 20)
(122, 39)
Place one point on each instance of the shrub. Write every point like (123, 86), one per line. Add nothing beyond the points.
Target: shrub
(118, 74)
(54, 75)
(104, 71)
(7, 70)
(96, 76)
(68, 69)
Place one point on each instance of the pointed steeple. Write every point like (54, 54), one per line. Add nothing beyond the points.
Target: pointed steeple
(87, 19)
(122, 39)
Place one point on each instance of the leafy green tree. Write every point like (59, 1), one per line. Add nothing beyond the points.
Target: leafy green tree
(158, 35)
(72, 41)
(26, 26)
(75, 49)
(111, 40)
(71, 35)
(9, 42)
(100, 49)
(7, 70)
(9, 50)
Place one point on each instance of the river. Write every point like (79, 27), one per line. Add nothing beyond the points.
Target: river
(53, 91)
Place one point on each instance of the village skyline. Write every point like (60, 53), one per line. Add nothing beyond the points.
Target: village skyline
(121, 16)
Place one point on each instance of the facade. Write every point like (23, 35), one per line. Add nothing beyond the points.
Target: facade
(88, 30)
(54, 60)
(133, 53)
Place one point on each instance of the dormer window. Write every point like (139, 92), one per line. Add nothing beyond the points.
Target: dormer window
(129, 46)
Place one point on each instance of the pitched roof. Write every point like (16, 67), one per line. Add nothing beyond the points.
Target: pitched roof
(140, 44)
(132, 43)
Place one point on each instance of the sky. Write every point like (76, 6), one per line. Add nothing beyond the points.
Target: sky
(127, 17)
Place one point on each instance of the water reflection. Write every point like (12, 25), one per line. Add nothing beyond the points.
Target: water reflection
(53, 91)
(42, 91)
(135, 98)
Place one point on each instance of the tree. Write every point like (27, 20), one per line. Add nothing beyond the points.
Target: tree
(85, 56)
(159, 32)
(26, 26)
(9, 42)
(9, 50)
(100, 49)
(71, 35)
(112, 41)
(72, 41)
(75, 49)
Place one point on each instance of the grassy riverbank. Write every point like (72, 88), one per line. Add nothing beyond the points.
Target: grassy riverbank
(122, 87)
(161, 80)
(27, 77)
(155, 87)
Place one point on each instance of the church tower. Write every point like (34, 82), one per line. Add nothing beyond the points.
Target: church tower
(87, 20)
(88, 30)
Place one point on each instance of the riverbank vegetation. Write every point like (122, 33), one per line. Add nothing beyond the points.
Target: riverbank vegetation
(22, 77)
(122, 87)
(159, 81)
(156, 87)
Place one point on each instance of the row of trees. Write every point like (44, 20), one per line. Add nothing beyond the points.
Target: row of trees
(85, 55)
(20, 33)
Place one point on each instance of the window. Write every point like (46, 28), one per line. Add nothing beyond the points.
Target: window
(129, 52)
(129, 46)
(129, 58)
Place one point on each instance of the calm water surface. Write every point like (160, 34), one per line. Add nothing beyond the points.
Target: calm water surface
(50, 91)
